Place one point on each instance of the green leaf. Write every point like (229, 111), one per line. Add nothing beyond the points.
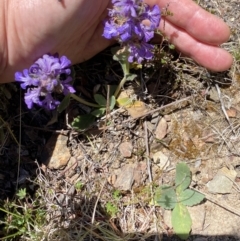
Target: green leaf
(112, 102)
(190, 197)
(64, 104)
(181, 221)
(100, 100)
(111, 90)
(183, 177)
(117, 194)
(22, 193)
(171, 46)
(78, 185)
(166, 197)
(111, 209)
(131, 77)
(124, 101)
(99, 112)
(82, 122)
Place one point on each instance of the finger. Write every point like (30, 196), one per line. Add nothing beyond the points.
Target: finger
(209, 56)
(195, 21)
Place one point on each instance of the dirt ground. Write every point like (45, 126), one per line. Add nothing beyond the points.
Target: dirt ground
(97, 184)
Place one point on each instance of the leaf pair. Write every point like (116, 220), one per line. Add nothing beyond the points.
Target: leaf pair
(177, 198)
(103, 103)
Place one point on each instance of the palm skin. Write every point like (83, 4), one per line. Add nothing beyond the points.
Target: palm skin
(31, 28)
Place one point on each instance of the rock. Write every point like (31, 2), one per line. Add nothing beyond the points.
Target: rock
(232, 112)
(139, 175)
(213, 95)
(222, 181)
(162, 128)
(56, 153)
(125, 178)
(125, 149)
(161, 160)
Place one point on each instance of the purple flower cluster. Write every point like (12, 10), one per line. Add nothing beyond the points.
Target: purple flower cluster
(48, 76)
(132, 23)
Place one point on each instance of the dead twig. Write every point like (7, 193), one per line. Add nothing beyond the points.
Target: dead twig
(98, 197)
(158, 109)
(149, 171)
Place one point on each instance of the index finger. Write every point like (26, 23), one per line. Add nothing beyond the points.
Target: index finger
(197, 22)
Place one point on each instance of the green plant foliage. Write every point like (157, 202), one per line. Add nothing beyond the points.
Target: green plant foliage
(117, 194)
(183, 177)
(100, 100)
(181, 221)
(111, 209)
(177, 198)
(23, 217)
(124, 101)
(99, 112)
(171, 46)
(166, 197)
(131, 77)
(121, 56)
(190, 197)
(112, 102)
(103, 102)
(78, 185)
(82, 122)
(64, 103)
(22, 193)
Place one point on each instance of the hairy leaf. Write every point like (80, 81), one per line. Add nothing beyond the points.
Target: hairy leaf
(183, 177)
(131, 77)
(126, 101)
(100, 100)
(99, 112)
(81, 122)
(112, 102)
(165, 197)
(190, 197)
(181, 221)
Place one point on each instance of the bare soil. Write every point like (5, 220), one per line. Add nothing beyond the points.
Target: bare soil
(104, 192)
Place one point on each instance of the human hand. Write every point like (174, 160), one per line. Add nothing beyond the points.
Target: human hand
(29, 29)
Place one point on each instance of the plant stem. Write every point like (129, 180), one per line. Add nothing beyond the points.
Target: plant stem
(13, 214)
(81, 100)
(11, 235)
(120, 86)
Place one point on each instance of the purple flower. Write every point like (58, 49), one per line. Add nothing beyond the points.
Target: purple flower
(47, 77)
(128, 7)
(126, 25)
(153, 16)
(139, 52)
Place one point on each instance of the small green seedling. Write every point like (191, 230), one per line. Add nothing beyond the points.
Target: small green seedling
(22, 193)
(111, 209)
(117, 195)
(78, 185)
(177, 198)
(23, 218)
(112, 206)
